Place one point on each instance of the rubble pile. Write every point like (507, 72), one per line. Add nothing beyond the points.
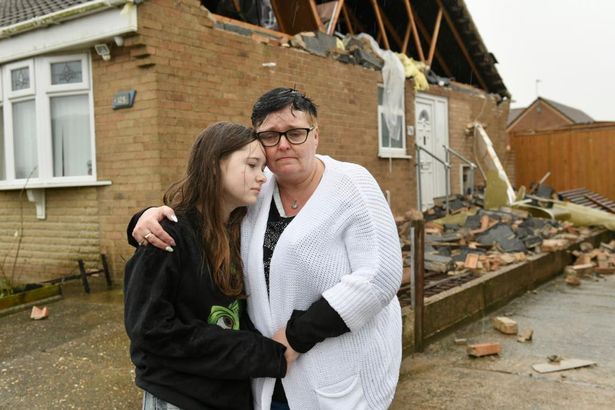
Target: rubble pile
(472, 241)
(591, 263)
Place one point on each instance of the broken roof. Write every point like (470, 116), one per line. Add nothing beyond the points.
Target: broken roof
(402, 26)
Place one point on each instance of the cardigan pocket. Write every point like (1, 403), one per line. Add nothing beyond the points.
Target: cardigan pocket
(345, 394)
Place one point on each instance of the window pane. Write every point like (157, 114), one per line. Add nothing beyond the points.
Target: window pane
(20, 79)
(70, 133)
(2, 163)
(66, 72)
(398, 143)
(24, 139)
(386, 143)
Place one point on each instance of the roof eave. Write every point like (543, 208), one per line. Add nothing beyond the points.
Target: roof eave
(61, 16)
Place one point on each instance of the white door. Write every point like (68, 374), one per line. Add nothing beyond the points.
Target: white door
(432, 134)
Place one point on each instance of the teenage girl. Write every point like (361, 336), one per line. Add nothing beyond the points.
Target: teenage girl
(192, 342)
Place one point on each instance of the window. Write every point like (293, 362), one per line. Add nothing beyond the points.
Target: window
(46, 118)
(391, 144)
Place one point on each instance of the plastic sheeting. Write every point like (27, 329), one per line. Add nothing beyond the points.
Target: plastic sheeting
(393, 76)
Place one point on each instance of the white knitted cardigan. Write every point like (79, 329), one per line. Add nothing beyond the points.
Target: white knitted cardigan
(342, 245)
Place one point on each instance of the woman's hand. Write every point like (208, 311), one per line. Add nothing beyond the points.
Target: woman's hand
(290, 354)
(148, 229)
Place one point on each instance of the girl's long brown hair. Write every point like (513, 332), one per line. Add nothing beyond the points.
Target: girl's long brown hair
(201, 188)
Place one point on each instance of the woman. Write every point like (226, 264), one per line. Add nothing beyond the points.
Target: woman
(184, 310)
(323, 266)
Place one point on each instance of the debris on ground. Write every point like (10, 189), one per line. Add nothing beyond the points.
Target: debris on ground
(483, 349)
(39, 313)
(564, 364)
(505, 325)
(572, 279)
(590, 262)
(467, 236)
(526, 336)
(461, 341)
(553, 358)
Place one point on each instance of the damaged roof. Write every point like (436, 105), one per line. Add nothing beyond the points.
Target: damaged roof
(459, 52)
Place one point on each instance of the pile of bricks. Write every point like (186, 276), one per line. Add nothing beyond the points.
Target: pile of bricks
(591, 262)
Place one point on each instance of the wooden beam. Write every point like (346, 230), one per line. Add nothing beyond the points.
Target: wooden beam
(355, 20)
(427, 36)
(391, 29)
(347, 19)
(434, 38)
(329, 13)
(380, 24)
(404, 47)
(462, 46)
(417, 40)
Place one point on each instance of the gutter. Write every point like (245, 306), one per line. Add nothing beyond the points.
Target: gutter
(63, 15)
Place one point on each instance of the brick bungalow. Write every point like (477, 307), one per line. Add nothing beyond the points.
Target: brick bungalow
(73, 168)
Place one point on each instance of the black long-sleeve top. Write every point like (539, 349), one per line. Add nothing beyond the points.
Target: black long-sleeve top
(192, 346)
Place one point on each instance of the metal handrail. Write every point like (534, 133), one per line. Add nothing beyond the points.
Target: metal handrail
(472, 165)
(447, 168)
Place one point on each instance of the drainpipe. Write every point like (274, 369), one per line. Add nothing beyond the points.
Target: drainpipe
(62, 15)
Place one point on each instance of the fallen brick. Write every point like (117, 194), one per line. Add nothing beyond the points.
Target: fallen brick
(39, 313)
(552, 245)
(505, 325)
(471, 261)
(484, 349)
(586, 246)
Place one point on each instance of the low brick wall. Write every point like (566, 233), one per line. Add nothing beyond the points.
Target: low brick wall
(448, 310)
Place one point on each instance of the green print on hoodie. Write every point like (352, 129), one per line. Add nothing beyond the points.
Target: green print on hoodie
(226, 318)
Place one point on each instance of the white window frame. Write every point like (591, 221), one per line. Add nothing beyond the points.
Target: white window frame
(391, 152)
(9, 81)
(42, 91)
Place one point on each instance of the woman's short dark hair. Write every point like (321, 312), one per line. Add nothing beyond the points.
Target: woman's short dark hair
(279, 98)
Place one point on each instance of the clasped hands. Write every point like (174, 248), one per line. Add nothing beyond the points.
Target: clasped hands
(290, 354)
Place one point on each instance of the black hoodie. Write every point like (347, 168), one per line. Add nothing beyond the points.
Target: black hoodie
(192, 346)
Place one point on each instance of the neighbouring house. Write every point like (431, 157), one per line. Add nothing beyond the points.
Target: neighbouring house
(563, 144)
(100, 101)
(543, 114)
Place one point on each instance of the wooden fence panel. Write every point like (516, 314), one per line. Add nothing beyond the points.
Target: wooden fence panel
(576, 157)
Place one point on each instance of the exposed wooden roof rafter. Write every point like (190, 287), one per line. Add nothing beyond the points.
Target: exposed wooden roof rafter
(392, 31)
(462, 46)
(434, 38)
(381, 29)
(347, 19)
(438, 56)
(415, 33)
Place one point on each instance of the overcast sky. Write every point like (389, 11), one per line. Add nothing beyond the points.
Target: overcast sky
(569, 45)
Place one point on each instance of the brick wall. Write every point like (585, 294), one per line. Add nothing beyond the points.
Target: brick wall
(188, 74)
(48, 248)
(540, 116)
